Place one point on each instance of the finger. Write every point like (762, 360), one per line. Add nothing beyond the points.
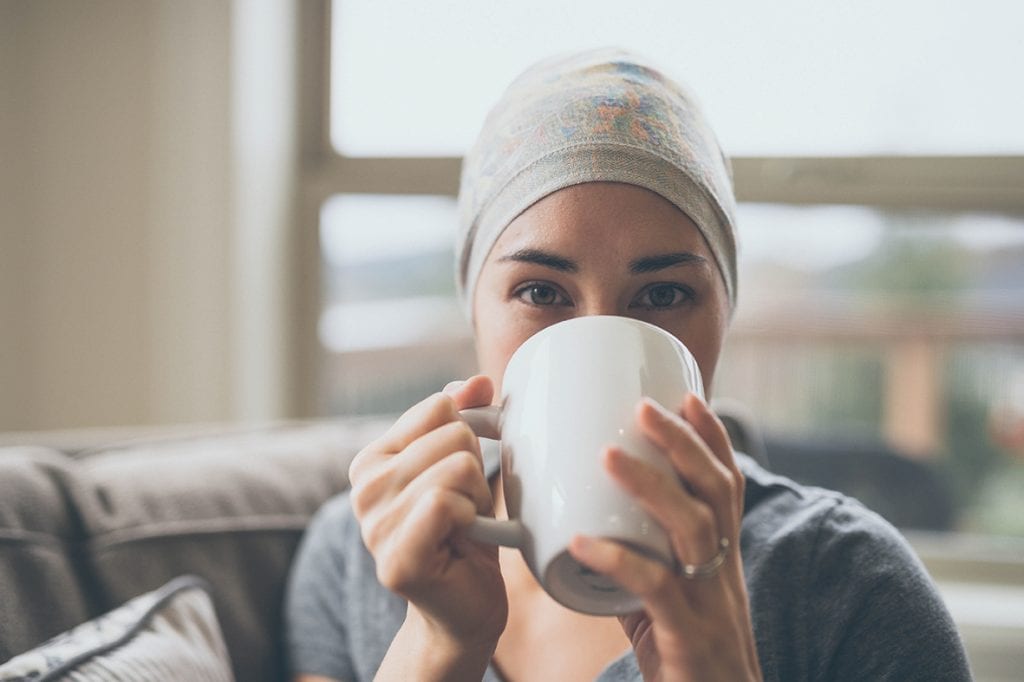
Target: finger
(710, 427)
(427, 415)
(417, 547)
(459, 473)
(712, 430)
(477, 391)
(690, 523)
(433, 447)
(420, 419)
(393, 473)
(430, 413)
(652, 581)
(707, 477)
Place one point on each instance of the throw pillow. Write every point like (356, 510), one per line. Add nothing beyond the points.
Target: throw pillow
(168, 634)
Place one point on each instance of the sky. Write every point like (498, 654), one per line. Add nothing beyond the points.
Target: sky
(790, 77)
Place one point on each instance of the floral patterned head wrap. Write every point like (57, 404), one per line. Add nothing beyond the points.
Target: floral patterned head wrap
(601, 115)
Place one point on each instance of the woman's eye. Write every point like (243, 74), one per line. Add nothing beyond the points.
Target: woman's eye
(541, 295)
(662, 296)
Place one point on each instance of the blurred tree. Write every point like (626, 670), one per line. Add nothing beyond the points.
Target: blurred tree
(916, 259)
(920, 269)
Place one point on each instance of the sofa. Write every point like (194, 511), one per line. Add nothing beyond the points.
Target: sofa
(90, 520)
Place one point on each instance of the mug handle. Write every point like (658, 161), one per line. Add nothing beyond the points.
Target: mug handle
(485, 422)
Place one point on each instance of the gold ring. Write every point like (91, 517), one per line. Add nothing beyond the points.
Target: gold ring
(709, 569)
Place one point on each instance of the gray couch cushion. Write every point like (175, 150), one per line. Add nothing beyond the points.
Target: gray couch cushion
(40, 594)
(229, 508)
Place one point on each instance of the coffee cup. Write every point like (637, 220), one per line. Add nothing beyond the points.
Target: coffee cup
(568, 392)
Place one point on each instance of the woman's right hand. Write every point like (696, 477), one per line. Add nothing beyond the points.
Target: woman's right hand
(415, 491)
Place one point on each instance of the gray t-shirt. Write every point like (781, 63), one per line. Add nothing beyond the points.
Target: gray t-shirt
(835, 594)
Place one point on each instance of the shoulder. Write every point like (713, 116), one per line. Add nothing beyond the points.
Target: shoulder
(318, 586)
(839, 588)
(331, 558)
(779, 512)
(820, 535)
(339, 620)
(820, 525)
(332, 544)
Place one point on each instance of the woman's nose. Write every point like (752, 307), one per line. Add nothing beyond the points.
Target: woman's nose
(599, 308)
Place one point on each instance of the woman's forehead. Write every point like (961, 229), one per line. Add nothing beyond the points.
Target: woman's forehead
(609, 218)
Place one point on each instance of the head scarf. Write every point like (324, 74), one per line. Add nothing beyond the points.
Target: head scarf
(601, 115)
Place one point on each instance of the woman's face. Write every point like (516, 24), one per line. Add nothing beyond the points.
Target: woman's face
(600, 248)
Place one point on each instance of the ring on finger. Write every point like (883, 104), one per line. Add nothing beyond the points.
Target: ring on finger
(709, 568)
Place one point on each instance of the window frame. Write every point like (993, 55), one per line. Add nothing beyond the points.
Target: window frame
(952, 183)
(955, 183)
(983, 183)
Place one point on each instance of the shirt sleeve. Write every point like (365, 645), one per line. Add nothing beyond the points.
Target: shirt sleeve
(316, 633)
(879, 615)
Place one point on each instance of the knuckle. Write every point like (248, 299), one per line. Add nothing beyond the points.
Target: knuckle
(466, 467)
(359, 464)
(461, 435)
(685, 431)
(706, 533)
(703, 519)
(724, 485)
(392, 575)
(739, 482)
(710, 545)
(373, 534)
(732, 480)
(440, 408)
(366, 494)
(360, 504)
(361, 500)
(660, 578)
(436, 501)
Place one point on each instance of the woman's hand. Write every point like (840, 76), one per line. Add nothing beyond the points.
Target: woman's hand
(691, 628)
(414, 492)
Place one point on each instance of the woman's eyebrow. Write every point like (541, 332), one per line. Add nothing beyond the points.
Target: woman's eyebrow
(539, 257)
(665, 260)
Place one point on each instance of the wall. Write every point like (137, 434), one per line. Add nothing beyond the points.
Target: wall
(119, 219)
(11, 220)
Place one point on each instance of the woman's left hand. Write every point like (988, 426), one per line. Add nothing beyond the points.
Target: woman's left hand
(697, 627)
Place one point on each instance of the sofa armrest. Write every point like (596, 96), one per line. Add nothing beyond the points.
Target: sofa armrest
(229, 507)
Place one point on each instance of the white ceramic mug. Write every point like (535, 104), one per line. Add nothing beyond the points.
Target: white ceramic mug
(568, 392)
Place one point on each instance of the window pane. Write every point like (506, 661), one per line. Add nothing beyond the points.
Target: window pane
(390, 319)
(883, 352)
(796, 77)
(872, 347)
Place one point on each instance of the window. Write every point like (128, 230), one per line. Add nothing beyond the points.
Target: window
(390, 322)
(797, 77)
(877, 156)
(892, 353)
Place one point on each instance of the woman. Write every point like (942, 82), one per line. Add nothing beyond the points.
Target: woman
(596, 188)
